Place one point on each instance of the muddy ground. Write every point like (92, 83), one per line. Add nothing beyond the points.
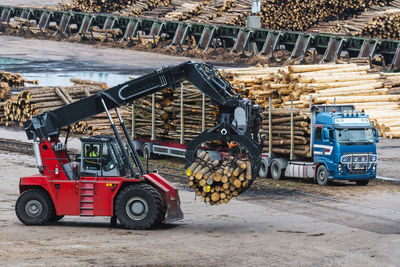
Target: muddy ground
(268, 225)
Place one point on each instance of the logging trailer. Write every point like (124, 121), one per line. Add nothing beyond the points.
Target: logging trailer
(107, 178)
(342, 147)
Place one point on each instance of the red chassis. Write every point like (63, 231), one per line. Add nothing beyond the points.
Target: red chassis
(96, 196)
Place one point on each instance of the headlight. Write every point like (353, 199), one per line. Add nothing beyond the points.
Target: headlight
(339, 167)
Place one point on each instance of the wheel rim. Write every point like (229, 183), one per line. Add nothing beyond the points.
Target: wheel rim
(322, 176)
(33, 208)
(275, 170)
(137, 208)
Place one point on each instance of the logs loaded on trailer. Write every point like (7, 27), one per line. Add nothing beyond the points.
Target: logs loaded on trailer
(217, 181)
(281, 135)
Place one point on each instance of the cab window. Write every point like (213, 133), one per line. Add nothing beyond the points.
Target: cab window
(91, 159)
(318, 133)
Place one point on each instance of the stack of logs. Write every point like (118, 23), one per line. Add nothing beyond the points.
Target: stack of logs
(8, 80)
(218, 182)
(168, 124)
(281, 132)
(301, 15)
(376, 93)
(33, 100)
(386, 26)
(97, 5)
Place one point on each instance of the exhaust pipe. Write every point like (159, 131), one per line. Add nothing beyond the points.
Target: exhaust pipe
(36, 151)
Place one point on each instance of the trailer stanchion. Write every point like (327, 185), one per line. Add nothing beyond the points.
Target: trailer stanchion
(182, 130)
(153, 117)
(291, 130)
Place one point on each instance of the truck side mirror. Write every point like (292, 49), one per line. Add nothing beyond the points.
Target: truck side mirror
(376, 133)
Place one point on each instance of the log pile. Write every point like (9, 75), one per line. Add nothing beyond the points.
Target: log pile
(168, 124)
(369, 90)
(386, 26)
(141, 6)
(185, 10)
(8, 80)
(97, 5)
(301, 15)
(218, 182)
(281, 132)
(33, 100)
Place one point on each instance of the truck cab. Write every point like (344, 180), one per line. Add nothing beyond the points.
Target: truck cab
(343, 144)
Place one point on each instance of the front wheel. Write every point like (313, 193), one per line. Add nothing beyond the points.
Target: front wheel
(34, 207)
(322, 175)
(362, 182)
(139, 207)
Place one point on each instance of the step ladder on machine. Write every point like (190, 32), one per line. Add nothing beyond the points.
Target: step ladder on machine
(86, 200)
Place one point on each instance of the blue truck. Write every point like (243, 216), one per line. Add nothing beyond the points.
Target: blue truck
(342, 147)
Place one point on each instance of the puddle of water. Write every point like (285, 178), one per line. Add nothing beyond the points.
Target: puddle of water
(58, 73)
(62, 78)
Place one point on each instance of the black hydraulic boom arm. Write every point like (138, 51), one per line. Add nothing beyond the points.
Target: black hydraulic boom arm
(203, 76)
(239, 119)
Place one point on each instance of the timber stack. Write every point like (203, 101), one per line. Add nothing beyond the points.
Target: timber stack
(97, 5)
(168, 114)
(281, 131)
(301, 15)
(217, 181)
(386, 26)
(33, 100)
(369, 90)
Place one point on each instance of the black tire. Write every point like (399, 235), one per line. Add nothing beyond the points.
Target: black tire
(276, 171)
(145, 151)
(139, 207)
(362, 182)
(322, 175)
(34, 207)
(263, 172)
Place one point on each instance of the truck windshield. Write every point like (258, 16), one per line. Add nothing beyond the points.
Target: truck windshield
(355, 136)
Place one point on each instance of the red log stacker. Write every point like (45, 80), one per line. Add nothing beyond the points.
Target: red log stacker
(107, 177)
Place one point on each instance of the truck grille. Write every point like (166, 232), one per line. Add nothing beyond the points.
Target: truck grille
(358, 163)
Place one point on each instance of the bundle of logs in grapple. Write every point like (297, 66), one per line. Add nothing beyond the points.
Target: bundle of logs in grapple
(301, 15)
(168, 114)
(217, 181)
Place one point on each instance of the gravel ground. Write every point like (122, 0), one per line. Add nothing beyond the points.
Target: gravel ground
(274, 229)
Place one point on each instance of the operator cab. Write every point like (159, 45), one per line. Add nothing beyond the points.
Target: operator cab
(101, 157)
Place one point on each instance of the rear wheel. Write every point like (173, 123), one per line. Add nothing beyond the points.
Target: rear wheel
(34, 207)
(322, 175)
(139, 207)
(362, 182)
(276, 171)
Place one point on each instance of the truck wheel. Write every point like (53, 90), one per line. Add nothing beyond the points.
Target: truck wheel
(34, 207)
(139, 207)
(322, 175)
(276, 171)
(263, 172)
(362, 182)
(146, 151)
